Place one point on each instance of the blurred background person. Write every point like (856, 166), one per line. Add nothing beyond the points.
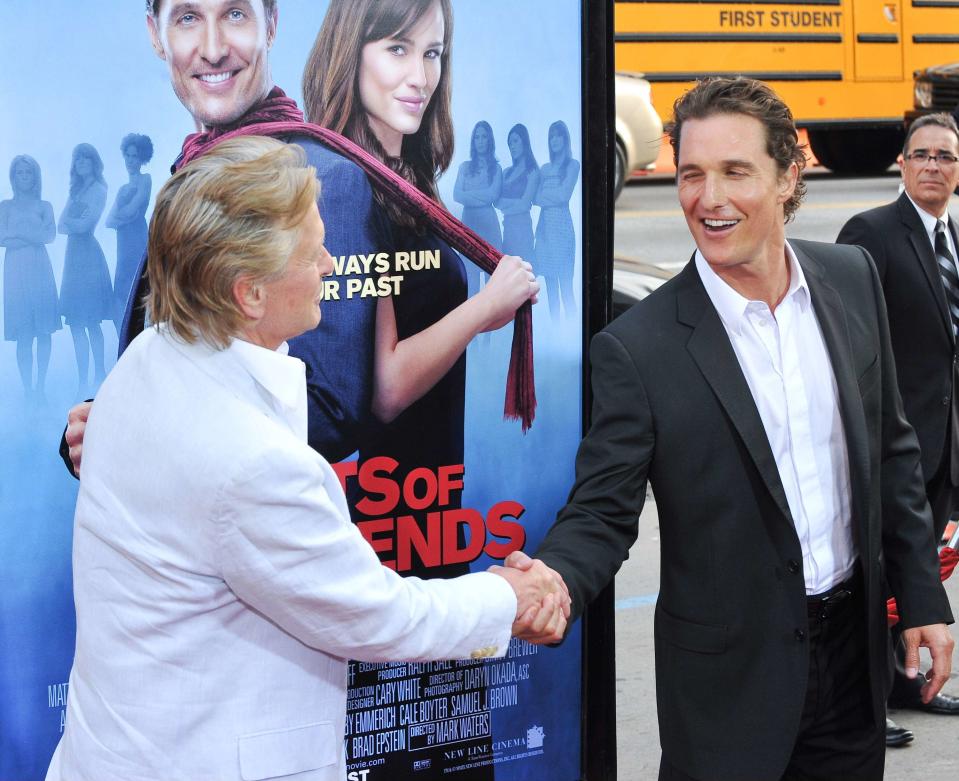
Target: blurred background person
(30, 311)
(86, 296)
(128, 218)
(520, 183)
(479, 182)
(555, 239)
(215, 576)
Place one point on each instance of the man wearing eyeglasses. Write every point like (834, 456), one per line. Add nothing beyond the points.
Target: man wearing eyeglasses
(914, 244)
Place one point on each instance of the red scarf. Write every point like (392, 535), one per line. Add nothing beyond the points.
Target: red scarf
(279, 115)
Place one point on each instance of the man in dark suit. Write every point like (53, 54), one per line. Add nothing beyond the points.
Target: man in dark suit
(913, 243)
(756, 392)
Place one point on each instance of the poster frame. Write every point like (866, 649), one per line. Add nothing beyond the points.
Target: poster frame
(598, 755)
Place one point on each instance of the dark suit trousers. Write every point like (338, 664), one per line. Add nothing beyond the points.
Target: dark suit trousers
(838, 738)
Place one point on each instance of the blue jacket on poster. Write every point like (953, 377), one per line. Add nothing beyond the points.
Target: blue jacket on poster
(338, 353)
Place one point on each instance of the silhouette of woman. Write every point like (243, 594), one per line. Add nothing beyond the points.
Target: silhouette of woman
(29, 291)
(520, 183)
(86, 297)
(128, 219)
(479, 181)
(555, 247)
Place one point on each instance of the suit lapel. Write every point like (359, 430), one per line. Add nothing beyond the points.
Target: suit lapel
(919, 240)
(710, 348)
(831, 315)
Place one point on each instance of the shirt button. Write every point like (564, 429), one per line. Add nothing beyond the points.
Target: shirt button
(800, 635)
(792, 566)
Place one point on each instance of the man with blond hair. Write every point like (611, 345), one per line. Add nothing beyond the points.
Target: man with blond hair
(220, 586)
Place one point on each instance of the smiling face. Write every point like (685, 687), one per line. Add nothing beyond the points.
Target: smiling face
(930, 184)
(397, 78)
(217, 54)
(292, 300)
(732, 192)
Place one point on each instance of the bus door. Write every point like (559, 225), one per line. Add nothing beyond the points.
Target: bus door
(877, 30)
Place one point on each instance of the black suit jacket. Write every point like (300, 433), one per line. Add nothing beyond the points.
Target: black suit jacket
(922, 336)
(671, 405)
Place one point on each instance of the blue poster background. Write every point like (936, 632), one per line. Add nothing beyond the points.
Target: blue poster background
(85, 72)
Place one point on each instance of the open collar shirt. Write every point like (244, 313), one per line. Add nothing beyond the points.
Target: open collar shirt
(787, 368)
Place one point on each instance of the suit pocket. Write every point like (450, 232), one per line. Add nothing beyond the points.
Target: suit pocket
(283, 752)
(702, 638)
(868, 377)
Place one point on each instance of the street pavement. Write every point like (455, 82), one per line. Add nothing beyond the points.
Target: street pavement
(652, 241)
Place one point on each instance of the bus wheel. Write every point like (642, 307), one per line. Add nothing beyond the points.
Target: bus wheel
(857, 151)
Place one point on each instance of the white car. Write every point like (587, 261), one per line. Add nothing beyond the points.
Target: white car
(639, 130)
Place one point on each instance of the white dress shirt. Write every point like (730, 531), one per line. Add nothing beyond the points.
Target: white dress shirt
(220, 585)
(789, 374)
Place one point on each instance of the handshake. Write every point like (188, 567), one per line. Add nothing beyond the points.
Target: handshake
(542, 599)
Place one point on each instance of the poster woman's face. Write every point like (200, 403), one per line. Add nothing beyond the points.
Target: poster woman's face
(481, 140)
(83, 166)
(557, 143)
(23, 177)
(131, 157)
(397, 79)
(515, 144)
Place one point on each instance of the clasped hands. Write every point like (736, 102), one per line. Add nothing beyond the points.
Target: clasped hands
(542, 599)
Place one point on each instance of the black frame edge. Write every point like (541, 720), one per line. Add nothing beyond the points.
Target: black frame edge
(598, 716)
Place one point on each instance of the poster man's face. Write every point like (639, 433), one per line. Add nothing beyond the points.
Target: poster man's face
(217, 54)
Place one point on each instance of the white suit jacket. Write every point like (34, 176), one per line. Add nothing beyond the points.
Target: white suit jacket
(220, 584)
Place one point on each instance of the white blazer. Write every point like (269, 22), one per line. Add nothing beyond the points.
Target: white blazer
(220, 584)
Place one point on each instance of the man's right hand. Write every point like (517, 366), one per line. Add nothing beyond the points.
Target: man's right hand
(542, 600)
(76, 427)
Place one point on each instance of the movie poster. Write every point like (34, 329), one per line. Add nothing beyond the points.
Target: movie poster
(443, 486)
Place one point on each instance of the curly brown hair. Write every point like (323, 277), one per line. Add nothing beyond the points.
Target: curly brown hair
(752, 98)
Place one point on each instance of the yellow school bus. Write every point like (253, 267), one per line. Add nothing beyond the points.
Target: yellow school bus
(845, 67)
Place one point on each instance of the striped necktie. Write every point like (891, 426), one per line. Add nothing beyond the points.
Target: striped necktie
(947, 270)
